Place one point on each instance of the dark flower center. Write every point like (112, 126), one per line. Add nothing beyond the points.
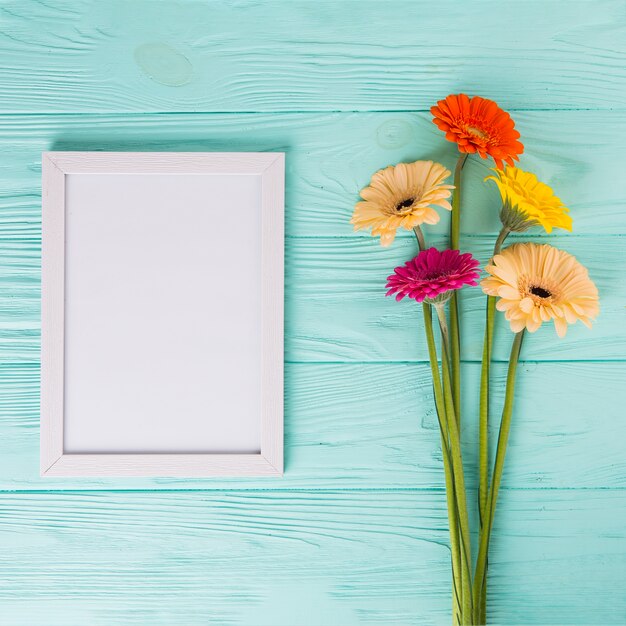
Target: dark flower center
(539, 291)
(405, 204)
(435, 275)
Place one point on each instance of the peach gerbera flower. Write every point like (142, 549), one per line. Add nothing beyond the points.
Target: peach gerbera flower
(478, 125)
(538, 283)
(528, 201)
(402, 196)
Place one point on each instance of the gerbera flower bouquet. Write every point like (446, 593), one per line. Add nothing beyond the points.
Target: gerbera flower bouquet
(530, 283)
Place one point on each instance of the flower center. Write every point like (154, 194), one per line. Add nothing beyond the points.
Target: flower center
(405, 204)
(435, 275)
(477, 132)
(540, 292)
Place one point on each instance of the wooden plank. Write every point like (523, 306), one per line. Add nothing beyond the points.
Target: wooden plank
(336, 309)
(330, 157)
(319, 202)
(373, 426)
(77, 55)
(273, 559)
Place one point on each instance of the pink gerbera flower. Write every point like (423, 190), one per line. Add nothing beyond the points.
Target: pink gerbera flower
(432, 275)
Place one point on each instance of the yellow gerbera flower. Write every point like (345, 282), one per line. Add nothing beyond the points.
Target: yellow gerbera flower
(402, 196)
(527, 201)
(537, 283)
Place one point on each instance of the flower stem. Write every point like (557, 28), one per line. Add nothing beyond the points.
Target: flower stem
(484, 391)
(455, 221)
(455, 552)
(483, 428)
(443, 325)
(483, 440)
(453, 519)
(504, 233)
(503, 437)
(455, 343)
(483, 432)
(459, 477)
(419, 234)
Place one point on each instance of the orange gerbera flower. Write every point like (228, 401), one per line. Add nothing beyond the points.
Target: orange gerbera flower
(478, 125)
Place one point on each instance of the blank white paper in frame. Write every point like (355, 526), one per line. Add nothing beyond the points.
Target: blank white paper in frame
(162, 314)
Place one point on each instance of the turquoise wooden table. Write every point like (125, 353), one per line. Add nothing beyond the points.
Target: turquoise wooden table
(355, 533)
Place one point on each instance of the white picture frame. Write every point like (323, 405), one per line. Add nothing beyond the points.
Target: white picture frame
(71, 245)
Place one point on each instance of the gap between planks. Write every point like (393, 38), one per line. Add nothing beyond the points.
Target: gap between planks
(275, 490)
(286, 112)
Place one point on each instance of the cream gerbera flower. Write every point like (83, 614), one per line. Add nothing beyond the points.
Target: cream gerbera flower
(526, 201)
(537, 283)
(402, 197)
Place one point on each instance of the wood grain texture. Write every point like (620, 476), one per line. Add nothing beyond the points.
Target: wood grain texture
(71, 55)
(373, 426)
(330, 157)
(325, 153)
(336, 309)
(275, 559)
(359, 417)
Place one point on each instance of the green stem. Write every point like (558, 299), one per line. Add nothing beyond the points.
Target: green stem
(483, 440)
(455, 336)
(421, 242)
(459, 477)
(455, 221)
(483, 433)
(455, 355)
(504, 233)
(503, 437)
(453, 522)
(483, 428)
(455, 552)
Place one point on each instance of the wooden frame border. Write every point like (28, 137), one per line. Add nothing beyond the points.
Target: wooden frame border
(54, 462)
